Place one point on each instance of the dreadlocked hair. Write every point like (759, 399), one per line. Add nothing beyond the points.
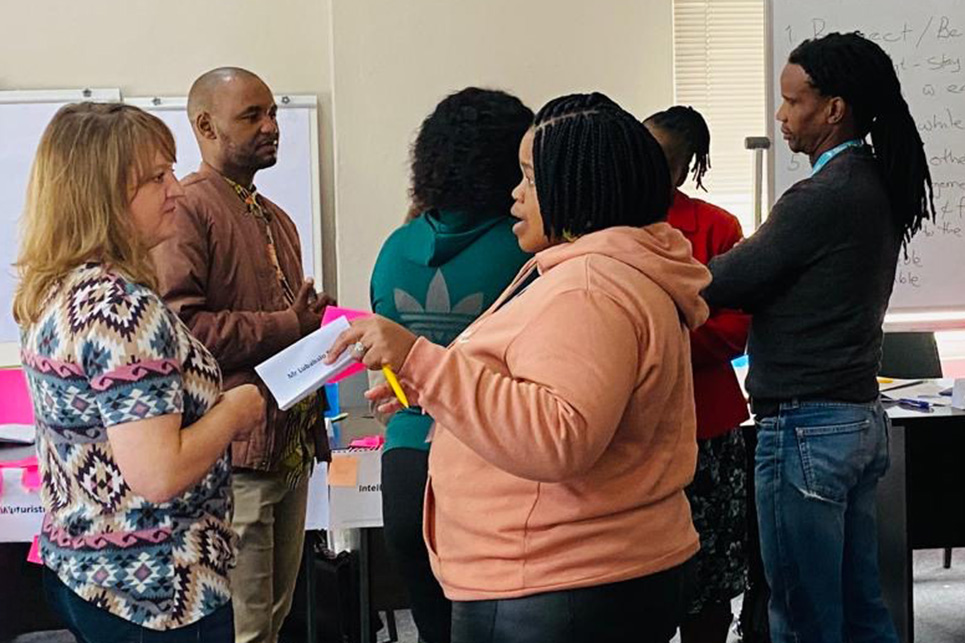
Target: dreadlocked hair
(596, 167)
(690, 139)
(861, 73)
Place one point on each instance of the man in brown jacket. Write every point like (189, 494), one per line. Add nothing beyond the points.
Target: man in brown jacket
(232, 270)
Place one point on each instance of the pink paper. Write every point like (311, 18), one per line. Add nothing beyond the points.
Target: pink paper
(368, 442)
(15, 404)
(33, 556)
(21, 464)
(30, 479)
(331, 314)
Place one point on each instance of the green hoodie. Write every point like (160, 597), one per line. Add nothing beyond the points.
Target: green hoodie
(434, 276)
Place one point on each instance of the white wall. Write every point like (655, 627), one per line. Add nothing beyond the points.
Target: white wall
(159, 48)
(377, 66)
(393, 61)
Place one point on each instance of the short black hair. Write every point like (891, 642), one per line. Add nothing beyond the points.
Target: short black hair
(691, 138)
(466, 154)
(596, 167)
(857, 70)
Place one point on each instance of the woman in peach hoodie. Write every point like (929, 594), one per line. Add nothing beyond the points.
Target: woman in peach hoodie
(565, 429)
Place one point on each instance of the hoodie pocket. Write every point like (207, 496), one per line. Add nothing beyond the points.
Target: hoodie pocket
(429, 527)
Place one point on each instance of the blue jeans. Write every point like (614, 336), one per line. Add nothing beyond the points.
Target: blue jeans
(817, 466)
(92, 624)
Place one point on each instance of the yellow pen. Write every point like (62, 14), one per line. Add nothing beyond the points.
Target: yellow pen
(396, 387)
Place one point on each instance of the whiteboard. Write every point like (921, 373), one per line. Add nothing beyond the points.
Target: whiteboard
(926, 41)
(23, 117)
(292, 183)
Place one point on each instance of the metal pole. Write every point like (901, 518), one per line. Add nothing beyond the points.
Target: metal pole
(758, 144)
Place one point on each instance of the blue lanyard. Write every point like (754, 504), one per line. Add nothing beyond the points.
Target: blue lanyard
(834, 151)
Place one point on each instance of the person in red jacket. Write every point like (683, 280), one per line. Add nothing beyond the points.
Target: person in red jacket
(717, 494)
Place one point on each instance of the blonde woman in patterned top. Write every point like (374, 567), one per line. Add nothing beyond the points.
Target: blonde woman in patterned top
(132, 425)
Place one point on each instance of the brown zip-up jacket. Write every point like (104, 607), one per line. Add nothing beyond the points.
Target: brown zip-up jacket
(215, 273)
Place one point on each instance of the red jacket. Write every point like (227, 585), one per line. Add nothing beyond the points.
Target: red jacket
(720, 403)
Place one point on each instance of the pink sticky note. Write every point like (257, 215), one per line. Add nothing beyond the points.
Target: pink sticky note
(331, 314)
(343, 471)
(15, 404)
(368, 442)
(30, 478)
(33, 556)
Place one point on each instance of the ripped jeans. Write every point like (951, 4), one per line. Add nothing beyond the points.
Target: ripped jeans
(817, 466)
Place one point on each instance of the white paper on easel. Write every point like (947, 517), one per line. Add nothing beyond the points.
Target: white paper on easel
(300, 370)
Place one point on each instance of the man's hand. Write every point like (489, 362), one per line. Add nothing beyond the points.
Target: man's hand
(306, 307)
(320, 302)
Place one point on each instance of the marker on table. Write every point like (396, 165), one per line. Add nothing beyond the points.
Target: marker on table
(920, 405)
(396, 387)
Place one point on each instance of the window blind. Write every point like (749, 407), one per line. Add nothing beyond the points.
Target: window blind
(719, 70)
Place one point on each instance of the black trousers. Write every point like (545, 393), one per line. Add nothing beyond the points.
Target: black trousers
(404, 474)
(642, 610)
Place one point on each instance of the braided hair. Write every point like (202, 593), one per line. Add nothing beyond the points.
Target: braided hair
(690, 139)
(857, 70)
(596, 166)
(465, 154)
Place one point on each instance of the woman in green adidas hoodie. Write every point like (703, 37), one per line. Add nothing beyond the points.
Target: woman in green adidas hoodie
(435, 275)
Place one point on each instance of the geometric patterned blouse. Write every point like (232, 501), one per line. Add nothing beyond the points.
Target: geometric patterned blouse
(107, 351)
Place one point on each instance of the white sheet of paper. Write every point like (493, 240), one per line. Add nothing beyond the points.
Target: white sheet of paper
(298, 371)
(18, 433)
(925, 390)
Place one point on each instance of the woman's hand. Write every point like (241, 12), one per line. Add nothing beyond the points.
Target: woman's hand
(375, 341)
(248, 408)
(386, 403)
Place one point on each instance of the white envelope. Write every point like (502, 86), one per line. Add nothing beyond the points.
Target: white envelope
(299, 370)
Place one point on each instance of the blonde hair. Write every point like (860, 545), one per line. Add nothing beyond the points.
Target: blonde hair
(78, 199)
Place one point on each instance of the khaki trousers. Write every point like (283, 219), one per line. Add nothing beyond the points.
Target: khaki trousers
(269, 519)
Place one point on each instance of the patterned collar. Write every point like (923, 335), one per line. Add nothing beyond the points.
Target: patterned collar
(249, 196)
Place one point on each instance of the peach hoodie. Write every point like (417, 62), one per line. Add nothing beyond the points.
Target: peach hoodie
(565, 429)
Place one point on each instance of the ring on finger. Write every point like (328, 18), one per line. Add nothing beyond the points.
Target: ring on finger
(358, 350)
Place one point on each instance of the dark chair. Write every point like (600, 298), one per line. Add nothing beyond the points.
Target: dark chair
(912, 356)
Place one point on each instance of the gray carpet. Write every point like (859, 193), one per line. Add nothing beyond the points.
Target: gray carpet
(939, 606)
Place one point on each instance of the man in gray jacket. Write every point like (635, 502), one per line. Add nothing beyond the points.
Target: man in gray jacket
(817, 277)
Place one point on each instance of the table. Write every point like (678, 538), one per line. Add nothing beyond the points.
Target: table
(920, 504)
(364, 500)
(20, 527)
(22, 607)
(920, 500)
